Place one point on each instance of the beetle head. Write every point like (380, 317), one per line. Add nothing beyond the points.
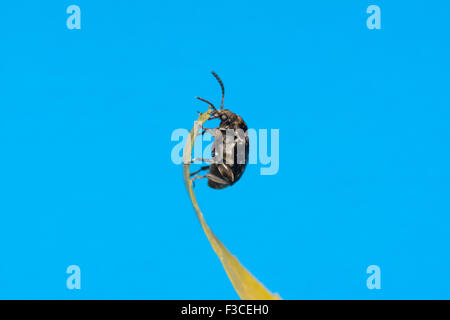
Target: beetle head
(224, 114)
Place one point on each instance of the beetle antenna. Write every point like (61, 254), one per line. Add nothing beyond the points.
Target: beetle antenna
(221, 86)
(204, 100)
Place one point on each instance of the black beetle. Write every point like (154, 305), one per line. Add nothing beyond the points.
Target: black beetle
(230, 154)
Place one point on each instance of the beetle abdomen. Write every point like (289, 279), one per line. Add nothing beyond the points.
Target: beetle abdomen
(235, 151)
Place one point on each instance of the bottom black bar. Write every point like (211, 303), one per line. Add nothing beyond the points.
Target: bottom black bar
(226, 309)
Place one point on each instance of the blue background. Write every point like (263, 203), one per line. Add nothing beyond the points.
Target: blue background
(86, 177)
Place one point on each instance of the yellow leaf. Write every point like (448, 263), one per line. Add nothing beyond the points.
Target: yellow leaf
(246, 285)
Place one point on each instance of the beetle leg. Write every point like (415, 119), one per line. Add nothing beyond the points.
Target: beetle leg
(213, 117)
(226, 172)
(202, 160)
(210, 131)
(210, 118)
(201, 169)
(195, 178)
(216, 178)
